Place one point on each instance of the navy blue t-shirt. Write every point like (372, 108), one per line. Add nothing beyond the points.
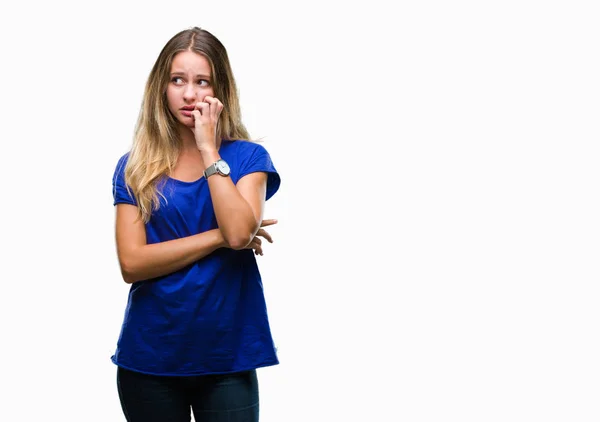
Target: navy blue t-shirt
(209, 317)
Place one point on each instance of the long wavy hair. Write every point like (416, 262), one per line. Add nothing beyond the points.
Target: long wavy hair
(156, 143)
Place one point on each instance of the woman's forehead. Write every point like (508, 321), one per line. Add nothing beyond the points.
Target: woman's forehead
(190, 62)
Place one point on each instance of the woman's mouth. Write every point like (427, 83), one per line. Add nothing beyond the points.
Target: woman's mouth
(187, 110)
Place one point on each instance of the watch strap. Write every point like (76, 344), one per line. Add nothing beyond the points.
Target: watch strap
(210, 170)
(220, 166)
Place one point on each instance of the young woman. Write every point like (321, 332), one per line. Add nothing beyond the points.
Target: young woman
(189, 199)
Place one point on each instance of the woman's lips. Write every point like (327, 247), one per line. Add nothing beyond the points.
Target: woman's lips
(187, 110)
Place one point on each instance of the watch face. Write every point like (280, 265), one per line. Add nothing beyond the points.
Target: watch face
(223, 167)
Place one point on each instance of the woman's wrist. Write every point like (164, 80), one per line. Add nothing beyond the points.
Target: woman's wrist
(209, 156)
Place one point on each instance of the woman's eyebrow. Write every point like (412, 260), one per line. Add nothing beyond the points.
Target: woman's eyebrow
(183, 74)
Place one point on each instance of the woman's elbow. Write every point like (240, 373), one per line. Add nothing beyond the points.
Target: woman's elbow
(128, 278)
(238, 242)
(127, 271)
(240, 237)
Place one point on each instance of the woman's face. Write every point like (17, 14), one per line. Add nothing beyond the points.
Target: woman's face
(190, 81)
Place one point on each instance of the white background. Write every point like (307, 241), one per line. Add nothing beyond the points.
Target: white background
(437, 252)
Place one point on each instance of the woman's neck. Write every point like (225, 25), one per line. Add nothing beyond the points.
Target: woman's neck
(188, 140)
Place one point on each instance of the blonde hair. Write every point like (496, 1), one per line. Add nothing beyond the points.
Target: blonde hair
(156, 142)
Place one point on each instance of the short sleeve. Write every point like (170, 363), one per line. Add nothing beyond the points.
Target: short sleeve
(258, 159)
(120, 193)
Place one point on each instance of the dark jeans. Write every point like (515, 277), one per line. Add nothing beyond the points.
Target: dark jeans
(212, 398)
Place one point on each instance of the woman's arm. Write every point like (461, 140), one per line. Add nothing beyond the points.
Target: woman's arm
(238, 208)
(140, 261)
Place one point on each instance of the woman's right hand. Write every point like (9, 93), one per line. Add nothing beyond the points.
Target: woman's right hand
(256, 243)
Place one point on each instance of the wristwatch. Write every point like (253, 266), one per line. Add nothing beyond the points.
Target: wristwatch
(220, 167)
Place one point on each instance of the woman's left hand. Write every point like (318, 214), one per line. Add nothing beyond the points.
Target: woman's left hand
(206, 120)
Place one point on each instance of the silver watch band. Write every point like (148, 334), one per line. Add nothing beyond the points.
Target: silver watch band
(210, 170)
(220, 166)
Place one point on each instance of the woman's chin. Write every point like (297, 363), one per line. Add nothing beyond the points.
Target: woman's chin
(187, 122)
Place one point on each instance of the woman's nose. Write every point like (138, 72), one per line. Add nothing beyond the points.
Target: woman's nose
(189, 94)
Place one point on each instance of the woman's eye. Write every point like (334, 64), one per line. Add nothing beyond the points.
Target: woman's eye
(203, 82)
(177, 80)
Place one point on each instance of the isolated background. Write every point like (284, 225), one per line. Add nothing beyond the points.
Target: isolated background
(437, 252)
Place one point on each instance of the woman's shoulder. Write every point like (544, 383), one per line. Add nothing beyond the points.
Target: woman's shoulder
(121, 163)
(124, 157)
